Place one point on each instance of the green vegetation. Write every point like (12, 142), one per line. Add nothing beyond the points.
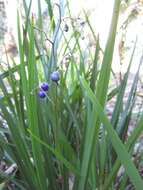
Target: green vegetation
(59, 134)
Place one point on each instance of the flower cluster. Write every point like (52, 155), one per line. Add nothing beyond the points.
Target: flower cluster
(44, 87)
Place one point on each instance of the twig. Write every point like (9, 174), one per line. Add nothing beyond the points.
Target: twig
(44, 33)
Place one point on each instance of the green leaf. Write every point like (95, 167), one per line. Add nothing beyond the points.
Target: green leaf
(57, 154)
(120, 149)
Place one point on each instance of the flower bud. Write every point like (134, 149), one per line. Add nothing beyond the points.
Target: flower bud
(41, 94)
(44, 86)
(55, 76)
(66, 28)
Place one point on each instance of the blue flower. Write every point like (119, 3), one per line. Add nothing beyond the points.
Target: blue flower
(55, 76)
(41, 94)
(44, 86)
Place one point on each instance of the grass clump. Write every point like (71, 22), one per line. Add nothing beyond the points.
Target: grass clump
(57, 130)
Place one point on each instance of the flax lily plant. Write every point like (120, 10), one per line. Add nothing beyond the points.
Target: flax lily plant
(54, 124)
